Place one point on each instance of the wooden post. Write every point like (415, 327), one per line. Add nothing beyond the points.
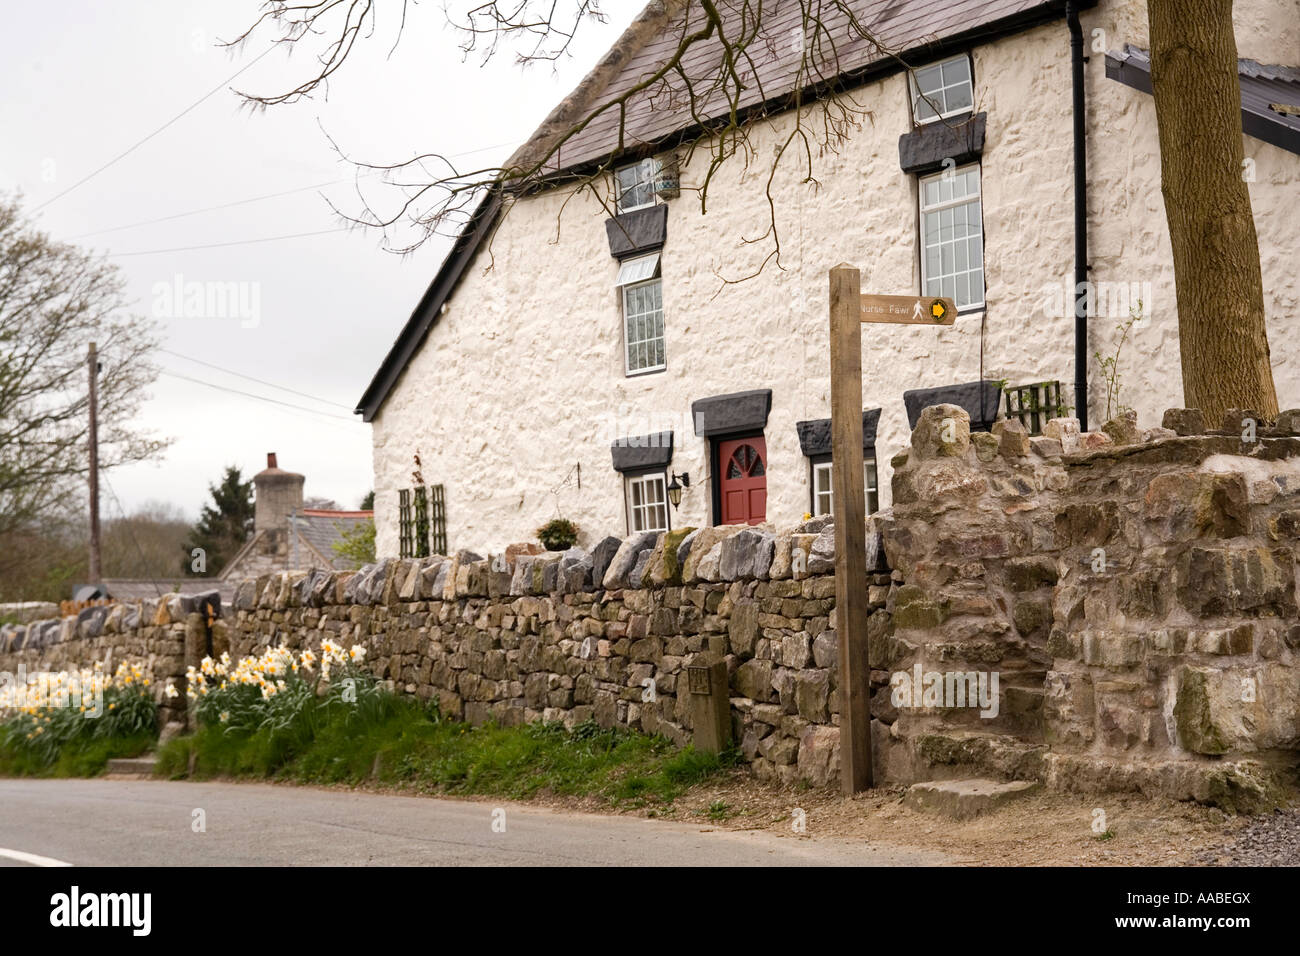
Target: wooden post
(92, 361)
(849, 506)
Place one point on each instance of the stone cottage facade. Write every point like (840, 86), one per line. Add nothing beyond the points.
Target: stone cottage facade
(566, 362)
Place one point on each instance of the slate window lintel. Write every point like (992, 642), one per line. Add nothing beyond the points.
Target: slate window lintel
(981, 400)
(637, 232)
(733, 413)
(959, 138)
(642, 453)
(815, 435)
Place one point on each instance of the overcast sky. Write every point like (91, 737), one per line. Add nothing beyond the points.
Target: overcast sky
(85, 80)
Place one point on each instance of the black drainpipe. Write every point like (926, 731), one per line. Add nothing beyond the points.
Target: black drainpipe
(1077, 59)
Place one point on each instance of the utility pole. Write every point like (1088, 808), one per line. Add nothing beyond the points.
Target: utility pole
(92, 362)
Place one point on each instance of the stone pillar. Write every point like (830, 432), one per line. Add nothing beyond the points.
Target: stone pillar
(709, 702)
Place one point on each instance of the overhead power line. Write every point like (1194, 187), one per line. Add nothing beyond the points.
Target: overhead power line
(224, 205)
(283, 388)
(237, 242)
(263, 198)
(260, 398)
(131, 149)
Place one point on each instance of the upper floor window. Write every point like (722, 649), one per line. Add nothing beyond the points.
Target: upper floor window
(634, 186)
(643, 314)
(952, 236)
(942, 89)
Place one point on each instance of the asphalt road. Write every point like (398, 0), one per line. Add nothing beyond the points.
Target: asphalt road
(153, 823)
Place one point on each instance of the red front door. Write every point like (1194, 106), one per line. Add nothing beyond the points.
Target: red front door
(742, 467)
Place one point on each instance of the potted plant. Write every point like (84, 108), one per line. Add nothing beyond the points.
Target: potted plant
(558, 534)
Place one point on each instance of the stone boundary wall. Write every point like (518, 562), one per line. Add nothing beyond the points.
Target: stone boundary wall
(605, 635)
(1134, 590)
(162, 636)
(1134, 594)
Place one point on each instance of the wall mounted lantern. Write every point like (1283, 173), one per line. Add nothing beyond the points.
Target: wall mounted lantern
(675, 489)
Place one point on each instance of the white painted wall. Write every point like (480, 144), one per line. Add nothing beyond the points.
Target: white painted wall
(522, 380)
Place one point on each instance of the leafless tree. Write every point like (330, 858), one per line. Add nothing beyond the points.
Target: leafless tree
(54, 300)
(731, 62)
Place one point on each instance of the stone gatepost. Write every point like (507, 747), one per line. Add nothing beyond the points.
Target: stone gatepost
(710, 702)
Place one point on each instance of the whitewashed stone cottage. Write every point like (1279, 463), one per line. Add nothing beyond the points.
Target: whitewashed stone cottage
(566, 363)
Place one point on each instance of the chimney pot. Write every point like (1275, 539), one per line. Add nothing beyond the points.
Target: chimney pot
(270, 459)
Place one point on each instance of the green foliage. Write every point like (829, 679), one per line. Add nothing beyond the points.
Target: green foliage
(1109, 365)
(224, 525)
(70, 741)
(558, 534)
(357, 544)
(720, 810)
(289, 700)
(396, 741)
(368, 502)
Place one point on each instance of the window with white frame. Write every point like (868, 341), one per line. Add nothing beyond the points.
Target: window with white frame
(942, 89)
(643, 314)
(647, 503)
(821, 487)
(952, 236)
(634, 186)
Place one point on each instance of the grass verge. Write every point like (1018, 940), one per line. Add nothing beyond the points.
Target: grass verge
(405, 745)
(77, 758)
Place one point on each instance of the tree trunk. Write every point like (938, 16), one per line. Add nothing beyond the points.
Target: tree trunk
(1220, 291)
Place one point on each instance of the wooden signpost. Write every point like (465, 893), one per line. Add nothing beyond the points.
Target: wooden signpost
(849, 310)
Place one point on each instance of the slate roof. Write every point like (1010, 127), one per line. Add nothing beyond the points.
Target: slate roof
(138, 589)
(915, 30)
(319, 530)
(1264, 89)
(658, 116)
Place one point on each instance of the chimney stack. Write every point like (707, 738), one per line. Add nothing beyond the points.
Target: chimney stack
(277, 494)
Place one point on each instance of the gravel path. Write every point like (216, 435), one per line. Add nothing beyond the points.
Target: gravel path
(1272, 840)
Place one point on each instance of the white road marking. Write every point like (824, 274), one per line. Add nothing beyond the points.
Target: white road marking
(31, 858)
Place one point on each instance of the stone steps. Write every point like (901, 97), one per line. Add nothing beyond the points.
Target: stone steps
(131, 768)
(958, 754)
(964, 799)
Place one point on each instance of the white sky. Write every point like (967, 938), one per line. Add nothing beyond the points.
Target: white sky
(85, 80)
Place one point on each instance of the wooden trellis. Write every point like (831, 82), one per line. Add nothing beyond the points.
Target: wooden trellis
(1034, 404)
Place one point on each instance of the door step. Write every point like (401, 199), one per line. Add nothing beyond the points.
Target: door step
(963, 799)
(131, 768)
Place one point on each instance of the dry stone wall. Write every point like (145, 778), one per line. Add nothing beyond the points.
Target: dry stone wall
(1103, 611)
(606, 635)
(162, 636)
(1134, 592)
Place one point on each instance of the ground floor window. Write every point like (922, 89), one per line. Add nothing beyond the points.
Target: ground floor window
(821, 486)
(647, 503)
